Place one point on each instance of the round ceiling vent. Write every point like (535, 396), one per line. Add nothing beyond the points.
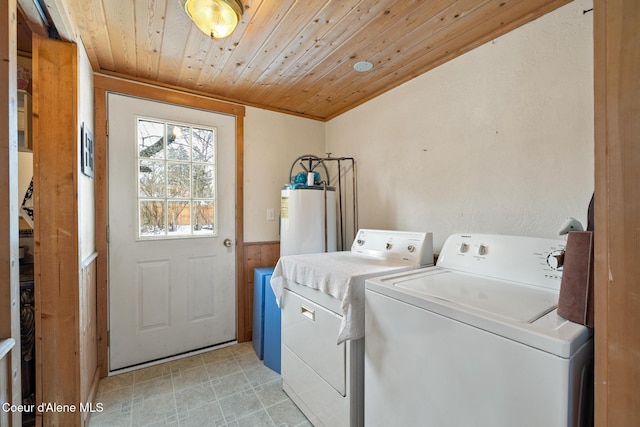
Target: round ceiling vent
(363, 66)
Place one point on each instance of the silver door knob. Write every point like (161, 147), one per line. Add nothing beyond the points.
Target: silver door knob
(227, 243)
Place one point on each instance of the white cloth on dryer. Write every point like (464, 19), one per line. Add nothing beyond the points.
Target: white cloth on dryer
(338, 274)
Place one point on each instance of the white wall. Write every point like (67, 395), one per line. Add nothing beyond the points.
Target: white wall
(25, 173)
(272, 141)
(25, 168)
(86, 185)
(499, 140)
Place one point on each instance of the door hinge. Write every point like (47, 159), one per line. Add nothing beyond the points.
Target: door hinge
(107, 127)
(108, 234)
(108, 338)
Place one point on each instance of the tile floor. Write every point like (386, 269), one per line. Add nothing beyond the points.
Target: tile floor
(225, 387)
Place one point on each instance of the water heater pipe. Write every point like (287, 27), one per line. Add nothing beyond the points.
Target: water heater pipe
(326, 218)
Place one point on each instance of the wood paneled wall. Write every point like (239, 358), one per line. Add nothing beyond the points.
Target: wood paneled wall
(617, 212)
(65, 287)
(256, 255)
(6, 347)
(56, 264)
(89, 374)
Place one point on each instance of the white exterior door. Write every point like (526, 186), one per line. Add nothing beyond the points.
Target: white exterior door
(171, 230)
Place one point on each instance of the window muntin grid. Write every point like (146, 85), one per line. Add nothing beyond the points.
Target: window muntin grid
(176, 178)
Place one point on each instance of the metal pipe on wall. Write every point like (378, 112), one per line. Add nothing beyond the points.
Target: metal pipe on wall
(340, 196)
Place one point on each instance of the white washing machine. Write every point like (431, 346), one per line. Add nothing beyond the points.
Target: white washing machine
(476, 340)
(322, 301)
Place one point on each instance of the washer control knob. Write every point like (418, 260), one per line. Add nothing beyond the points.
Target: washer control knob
(482, 250)
(388, 246)
(556, 259)
(463, 248)
(411, 248)
(360, 242)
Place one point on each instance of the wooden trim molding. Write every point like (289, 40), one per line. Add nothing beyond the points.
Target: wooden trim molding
(242, 308)
(56, 261)
(221, 99)
(617, 212)
(601, 280)
(10, 379)
(101, 212)
(103, 85)
(6, 346)
(164, 94)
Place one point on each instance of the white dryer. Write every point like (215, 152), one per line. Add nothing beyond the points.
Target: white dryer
(322, 301)
(476, 340)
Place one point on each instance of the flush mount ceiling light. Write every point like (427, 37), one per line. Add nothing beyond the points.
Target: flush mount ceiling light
(215, 18)
(363, 66)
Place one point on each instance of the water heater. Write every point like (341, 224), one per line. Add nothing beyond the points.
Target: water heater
(307, 219)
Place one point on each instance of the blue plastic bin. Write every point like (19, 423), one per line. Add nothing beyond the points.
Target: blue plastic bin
(266, 320)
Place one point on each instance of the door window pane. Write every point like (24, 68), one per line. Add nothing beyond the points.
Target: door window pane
(152, 221)
(203, 181)
(151, 139)
(151, 179)
(179, 215)
(176, 179)
(178, 142)
(204, 211)
(204, 149)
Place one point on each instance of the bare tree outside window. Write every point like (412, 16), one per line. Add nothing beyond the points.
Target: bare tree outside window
(176, 179)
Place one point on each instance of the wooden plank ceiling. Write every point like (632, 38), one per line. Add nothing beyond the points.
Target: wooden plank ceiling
(293, 56)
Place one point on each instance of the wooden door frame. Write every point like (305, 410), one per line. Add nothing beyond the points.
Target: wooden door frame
(104, 85)
(10, 357)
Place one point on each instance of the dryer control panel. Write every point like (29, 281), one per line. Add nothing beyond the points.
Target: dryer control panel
(529, 260)
(412, 248)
